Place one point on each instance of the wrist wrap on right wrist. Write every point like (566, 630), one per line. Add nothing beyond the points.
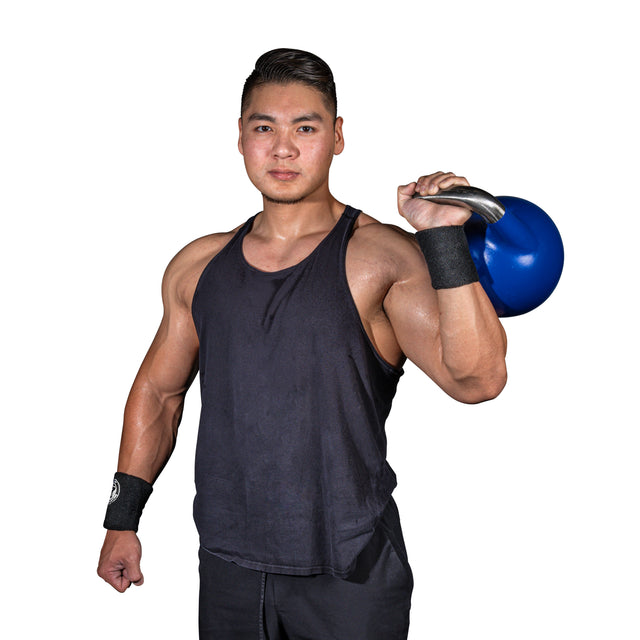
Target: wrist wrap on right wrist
(128, 497)
(447, 254)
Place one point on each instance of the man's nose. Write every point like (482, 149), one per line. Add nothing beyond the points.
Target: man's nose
(284, 146)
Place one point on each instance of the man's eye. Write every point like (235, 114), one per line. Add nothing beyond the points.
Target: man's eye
(263, 128)
(306, 129)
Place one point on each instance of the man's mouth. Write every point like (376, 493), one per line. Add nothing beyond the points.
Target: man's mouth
(283, 174)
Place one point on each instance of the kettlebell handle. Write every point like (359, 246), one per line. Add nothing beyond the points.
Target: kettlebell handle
(489, 208)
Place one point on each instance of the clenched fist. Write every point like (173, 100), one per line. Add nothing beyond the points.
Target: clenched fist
(119, 563)
(423, 214)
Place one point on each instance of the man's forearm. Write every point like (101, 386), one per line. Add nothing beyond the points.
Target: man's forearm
(151, 421)
(473, 342)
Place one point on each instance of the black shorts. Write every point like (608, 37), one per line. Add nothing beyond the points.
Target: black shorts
(371, 604)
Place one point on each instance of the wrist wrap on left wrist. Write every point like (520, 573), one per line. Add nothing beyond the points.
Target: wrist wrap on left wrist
(447, 254)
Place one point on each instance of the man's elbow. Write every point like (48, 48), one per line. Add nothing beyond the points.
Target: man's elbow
(492, 389)
(484, 388)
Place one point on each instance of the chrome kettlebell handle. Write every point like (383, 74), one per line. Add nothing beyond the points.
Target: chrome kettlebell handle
(489, 208)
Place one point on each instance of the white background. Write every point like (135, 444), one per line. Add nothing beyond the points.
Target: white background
(118, 146)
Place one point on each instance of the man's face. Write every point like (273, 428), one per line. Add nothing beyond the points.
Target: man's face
(288, 139)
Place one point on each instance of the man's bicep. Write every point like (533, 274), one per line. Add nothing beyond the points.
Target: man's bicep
(172, 360)
(412, 308)
(171, 363)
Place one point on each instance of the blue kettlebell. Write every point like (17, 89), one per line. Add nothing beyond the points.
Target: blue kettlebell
(516, 247)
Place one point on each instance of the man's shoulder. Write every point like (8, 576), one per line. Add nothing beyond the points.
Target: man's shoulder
(186, 267)
(384, 252)
(382, 240)
(203, 248)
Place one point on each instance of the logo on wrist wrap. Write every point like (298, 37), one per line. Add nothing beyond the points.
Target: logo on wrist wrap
(115, 491)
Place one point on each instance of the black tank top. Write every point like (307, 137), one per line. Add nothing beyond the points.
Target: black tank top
(291, 471)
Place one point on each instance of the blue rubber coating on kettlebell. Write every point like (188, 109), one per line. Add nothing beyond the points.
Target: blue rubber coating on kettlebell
(519, 258)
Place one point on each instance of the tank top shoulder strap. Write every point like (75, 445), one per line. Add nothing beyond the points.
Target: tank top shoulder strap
(224, 253)
(329, 255)
(236, 240)
(347, 222)
(344, 226)
(349, 217)
(242, 231)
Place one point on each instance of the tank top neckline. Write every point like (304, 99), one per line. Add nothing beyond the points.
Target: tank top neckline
(347, 213)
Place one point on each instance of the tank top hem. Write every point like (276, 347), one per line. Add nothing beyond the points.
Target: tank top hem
(294, 570)
(281, 569)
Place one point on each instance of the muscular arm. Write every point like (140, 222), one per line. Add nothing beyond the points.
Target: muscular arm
(454, 335)
(154, 407)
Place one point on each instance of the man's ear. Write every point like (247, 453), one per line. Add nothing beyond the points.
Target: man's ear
(240, 136)
(339, 138)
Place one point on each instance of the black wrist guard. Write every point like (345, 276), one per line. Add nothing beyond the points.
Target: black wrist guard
(447, 254)
(128, 497)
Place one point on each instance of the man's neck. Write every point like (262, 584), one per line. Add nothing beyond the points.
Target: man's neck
(291, 221)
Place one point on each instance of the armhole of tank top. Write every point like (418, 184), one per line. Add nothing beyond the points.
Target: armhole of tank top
(387, 367)
(213, 260)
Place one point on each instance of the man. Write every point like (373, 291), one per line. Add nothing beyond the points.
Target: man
(299, 322)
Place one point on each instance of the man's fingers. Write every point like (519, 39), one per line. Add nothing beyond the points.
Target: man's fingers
(434, 182)
(121, 578)
(407, 189)
(428, 184)
(136, 579)
(451, 180)
(121, 584)
(116, 579)
(132, 573)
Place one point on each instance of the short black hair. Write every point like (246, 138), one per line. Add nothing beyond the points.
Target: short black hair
(284, 66)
